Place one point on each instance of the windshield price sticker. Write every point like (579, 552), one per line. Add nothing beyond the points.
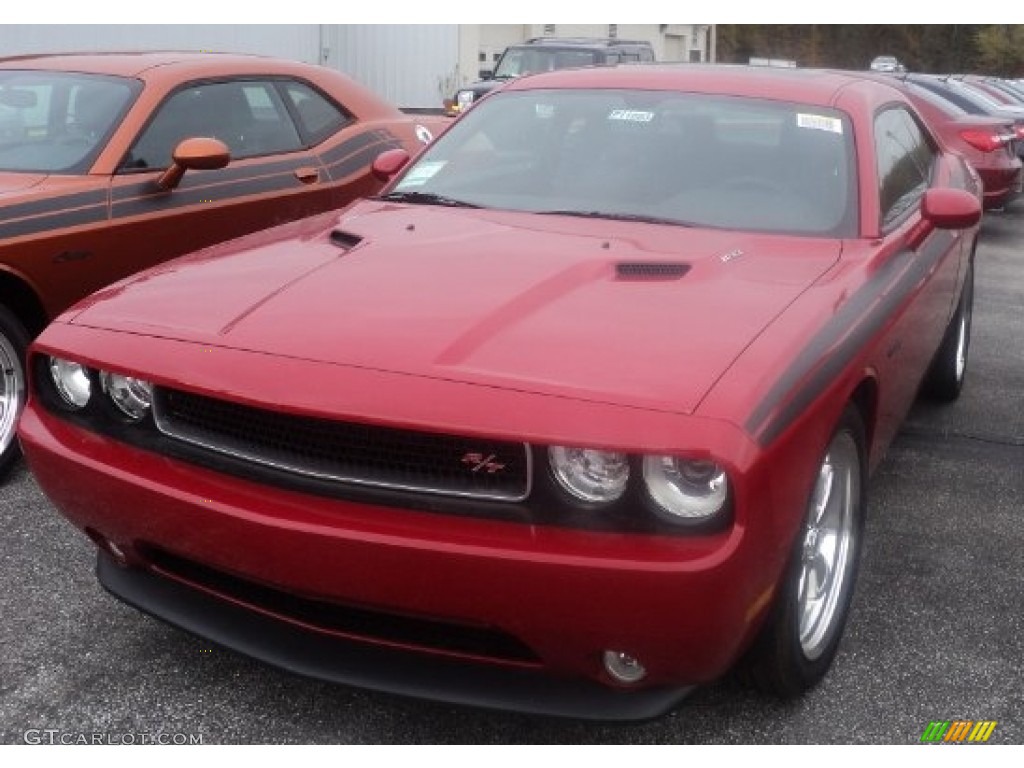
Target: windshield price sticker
(633, 115)
(820, 123)
(422, 173)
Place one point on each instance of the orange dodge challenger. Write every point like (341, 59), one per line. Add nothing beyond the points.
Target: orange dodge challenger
(111, 163)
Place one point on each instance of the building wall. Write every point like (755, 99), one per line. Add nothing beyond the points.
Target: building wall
(409, 65)
(290, 41)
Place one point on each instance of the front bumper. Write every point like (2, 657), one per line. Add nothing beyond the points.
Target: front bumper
(684, 606)
(343, 661)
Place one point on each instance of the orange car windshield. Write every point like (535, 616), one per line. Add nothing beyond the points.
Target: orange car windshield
(57, 122)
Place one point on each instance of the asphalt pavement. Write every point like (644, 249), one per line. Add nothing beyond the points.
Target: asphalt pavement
(936, 632)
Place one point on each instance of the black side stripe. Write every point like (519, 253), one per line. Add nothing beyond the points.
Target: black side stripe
(197, 187)
(842, 338)
(355, 144)
(358, 161)
(55, 221)
(209, 193)
(54, 204)
(195, 179)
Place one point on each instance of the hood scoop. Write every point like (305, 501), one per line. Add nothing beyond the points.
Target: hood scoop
(650, 270)
(345, 240)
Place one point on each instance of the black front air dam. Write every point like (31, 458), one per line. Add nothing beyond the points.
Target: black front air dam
(326, 657)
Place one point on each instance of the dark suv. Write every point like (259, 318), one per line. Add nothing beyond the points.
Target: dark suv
(543, 54)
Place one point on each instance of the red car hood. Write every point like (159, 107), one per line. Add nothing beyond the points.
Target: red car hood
(511, 300)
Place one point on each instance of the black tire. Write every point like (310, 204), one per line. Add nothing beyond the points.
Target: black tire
(945, 378)
(794, 650)
(13, 343)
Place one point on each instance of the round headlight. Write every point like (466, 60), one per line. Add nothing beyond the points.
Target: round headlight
(589, 475)
(686, 489)
(71, 381)
(463, 99)
(133, 397)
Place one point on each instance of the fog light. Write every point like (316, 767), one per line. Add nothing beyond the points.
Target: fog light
(623, 667)
(118, 555)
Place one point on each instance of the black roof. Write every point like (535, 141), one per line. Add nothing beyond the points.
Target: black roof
(584, 42)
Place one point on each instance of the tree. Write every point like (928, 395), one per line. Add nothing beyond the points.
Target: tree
(924, 48)
(1001, 49)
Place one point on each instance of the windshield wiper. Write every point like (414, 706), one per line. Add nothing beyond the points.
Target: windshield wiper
(426, 198)
(619, 217)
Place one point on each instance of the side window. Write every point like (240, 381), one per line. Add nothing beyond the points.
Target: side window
(248, 116)
(318, 117)
(905, 160)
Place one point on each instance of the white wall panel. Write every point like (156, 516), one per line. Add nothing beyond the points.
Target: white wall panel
(291, 41)
(411, 65)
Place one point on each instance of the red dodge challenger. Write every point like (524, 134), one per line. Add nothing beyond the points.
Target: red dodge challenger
(579, 413)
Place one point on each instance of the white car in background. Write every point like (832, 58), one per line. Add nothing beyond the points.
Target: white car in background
(887, 64)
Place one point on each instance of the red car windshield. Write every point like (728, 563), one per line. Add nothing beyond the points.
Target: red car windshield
(57, 122)
(688, 159)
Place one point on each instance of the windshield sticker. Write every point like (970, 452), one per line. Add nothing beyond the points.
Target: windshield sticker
(820, 123)
(421, 174)
(633, 115)
(544, 111)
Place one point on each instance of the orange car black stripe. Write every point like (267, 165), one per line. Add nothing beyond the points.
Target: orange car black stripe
(53, 204)
(60, 219)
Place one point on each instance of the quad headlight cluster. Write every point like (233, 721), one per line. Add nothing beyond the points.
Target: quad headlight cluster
(681, 490)
(76, 385)
(678, 490)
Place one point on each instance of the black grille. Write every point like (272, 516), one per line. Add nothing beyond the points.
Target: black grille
(363, 623)
(348, 453)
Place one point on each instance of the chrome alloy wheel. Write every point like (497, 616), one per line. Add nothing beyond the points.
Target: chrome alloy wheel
(963, 335)
(12, 391)
(828, 544)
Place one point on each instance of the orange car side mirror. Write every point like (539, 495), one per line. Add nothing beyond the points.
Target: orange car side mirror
(198, 154)
(387, 164)
(947, 208)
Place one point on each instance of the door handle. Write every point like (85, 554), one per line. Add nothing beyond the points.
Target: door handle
(307, 175)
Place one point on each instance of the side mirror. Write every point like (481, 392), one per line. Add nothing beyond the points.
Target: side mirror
(947, 208)
(196, 155)
(387, 164)
(486, 74)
